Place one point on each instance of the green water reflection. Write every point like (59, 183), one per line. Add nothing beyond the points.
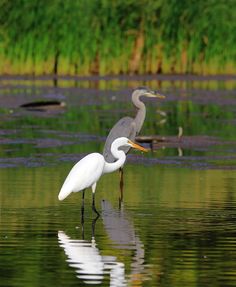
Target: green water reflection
(182, 222)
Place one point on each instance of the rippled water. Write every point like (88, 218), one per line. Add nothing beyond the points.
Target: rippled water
(175, 227)
(177, 222)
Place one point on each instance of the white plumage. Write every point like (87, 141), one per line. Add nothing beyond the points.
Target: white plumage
(89, 169)
(84, 174)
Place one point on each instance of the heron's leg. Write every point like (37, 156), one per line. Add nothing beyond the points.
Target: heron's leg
(121, 173)
(93, 191)
(152, 146)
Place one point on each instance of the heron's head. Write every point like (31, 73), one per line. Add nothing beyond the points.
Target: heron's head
(123, 141)
(146, 92)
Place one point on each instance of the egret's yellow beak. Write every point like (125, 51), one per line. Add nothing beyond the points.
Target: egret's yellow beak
(136, 146)
(153, 94)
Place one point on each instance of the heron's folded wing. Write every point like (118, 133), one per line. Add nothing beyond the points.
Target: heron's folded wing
(125, 127)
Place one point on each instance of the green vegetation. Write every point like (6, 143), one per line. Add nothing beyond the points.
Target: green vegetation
(83, 37)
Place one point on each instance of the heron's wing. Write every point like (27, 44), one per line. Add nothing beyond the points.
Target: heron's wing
(125, 127)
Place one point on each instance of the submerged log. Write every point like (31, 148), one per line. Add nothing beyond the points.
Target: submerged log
(44, 105)
(198, 141)
(155, 139)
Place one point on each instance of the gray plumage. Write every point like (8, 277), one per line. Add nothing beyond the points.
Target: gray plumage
(127, 126)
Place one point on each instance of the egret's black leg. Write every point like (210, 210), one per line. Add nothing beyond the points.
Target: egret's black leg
(82, 207)
(93, 224)
(82, 211)
(93, 206)
(93, 191)
(121, 173)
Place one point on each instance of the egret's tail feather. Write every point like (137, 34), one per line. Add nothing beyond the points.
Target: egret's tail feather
(64, 192)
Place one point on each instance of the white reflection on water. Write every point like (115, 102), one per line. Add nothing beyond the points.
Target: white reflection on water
(90, 265)
(86, 258)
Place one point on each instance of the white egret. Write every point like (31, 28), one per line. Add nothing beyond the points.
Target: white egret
(89, 169)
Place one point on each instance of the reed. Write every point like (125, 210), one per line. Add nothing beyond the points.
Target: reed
(83, 37)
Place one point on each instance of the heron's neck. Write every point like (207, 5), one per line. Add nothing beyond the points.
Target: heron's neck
(140, 117)
(110, 167)
(141, 112)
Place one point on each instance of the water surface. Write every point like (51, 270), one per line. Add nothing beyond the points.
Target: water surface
(177, 222)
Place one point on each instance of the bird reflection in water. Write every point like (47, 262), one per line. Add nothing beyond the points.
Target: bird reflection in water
(121, 232)
(91, 266)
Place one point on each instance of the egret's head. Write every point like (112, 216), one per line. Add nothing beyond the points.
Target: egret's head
(123, 141)
(146, 92)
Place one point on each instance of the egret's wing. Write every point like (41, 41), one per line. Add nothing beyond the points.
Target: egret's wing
(83, 174)
(125, 127)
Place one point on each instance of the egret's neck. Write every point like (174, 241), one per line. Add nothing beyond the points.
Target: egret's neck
(141, 113)
(120, 156)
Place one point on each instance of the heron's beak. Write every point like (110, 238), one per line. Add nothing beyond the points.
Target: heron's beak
(136, 146)
(153, 94)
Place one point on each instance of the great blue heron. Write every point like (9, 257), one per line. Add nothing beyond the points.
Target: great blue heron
(89, 169)
(129, 127)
